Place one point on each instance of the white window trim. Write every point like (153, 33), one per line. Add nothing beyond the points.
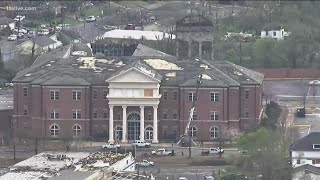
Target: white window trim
(193, 96)
(54, 94)
(315, 145)
(54, 114)
(78, 97)
(214, 96)
(214, 115)
(76, 111)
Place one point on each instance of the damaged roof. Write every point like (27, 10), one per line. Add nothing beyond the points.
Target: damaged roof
(143, 50)
(57, 69)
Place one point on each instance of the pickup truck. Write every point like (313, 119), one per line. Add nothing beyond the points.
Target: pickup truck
(138, 143)
(163, 152)
(110, 146)
(213, 151)
(145, 163)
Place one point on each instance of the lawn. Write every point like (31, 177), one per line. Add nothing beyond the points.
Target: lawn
(94, 11)
(67, 20)
(132, 4)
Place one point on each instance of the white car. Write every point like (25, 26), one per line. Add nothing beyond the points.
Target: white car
(145, 163)
(138, 143)
(19, 18)
(208, 178)
(163, 152)
(43, 32)
(110, 146)
(20, 30)
(215, 150)
(91, 19)
(183, 178)
(12, 37)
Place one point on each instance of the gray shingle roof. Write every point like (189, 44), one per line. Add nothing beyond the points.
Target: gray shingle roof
(143, 50)
(5, 20)
(309, 168)
(306, 143)
(54, 69)
(43, 41)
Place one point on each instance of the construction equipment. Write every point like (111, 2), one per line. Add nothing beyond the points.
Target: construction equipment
(185, 139)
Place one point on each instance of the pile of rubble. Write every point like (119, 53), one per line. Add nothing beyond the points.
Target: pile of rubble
(97, 160)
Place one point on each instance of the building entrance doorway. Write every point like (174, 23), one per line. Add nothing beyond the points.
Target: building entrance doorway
(133, 126)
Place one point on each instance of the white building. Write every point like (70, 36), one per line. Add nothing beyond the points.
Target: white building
(137, 35)
(305, 157)
(7, 22)
(275, 34)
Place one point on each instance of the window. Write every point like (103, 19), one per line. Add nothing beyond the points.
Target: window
(54, 130)
(105, 94)
(148, 92)
(54, 115)
(95, 94)
(214, 131)
(54, 95)
(165, 95)
(246, 114)
(76, 114)
(149, 116)
(274, 33)
(105, 114)
(214, 97)
(316, 146)
(25, 110)
(175, 95)
(193, 131)
(214, 116)
(25, 91)
(247, 93)
(95, 114)
(76, 95)
(165, 115)
(76, 130)
(192, 96)
(119, 116)
(298, 161)
(313, 161)
(174, 115)
(194, 116)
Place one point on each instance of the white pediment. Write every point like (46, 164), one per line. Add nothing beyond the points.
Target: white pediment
(134, 75)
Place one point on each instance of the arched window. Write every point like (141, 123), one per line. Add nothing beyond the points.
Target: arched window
(149, 133)
(214, 132)
(193, 131)
(54, 130)
(76, 130)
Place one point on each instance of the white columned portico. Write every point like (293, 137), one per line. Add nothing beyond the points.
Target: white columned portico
(111, 139)
(124, 124)
(142, 123)
(155, 124)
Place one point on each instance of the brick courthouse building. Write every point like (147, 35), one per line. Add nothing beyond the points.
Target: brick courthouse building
(127, 98)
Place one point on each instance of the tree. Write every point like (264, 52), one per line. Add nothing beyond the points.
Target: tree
(267, 154)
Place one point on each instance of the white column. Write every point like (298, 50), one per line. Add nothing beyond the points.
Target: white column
(111, 139)
(142, 123)
(124, 124)
(177, 48)
(189, 48)
(200, 49)
(155, 124)
(212, 51)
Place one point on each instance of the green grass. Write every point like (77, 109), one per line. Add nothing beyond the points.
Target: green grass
(132, 4)
(94, 11)
(70, 21)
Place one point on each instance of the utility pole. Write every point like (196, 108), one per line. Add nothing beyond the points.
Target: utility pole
(36, 146)
(189, 146)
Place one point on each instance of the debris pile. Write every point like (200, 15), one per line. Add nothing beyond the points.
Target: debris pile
(97, 160)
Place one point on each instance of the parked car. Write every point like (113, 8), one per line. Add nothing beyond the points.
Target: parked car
(206, 177)
(110, 146)
(19, 18)
(43, 32)
(145, 163)
(31, 34)
(20, 35)
(90, 19)
(163, 152)
(12, 37)
(20, 30)
(139, 143)
(183, 178)
(212, 151)
(130, 27)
